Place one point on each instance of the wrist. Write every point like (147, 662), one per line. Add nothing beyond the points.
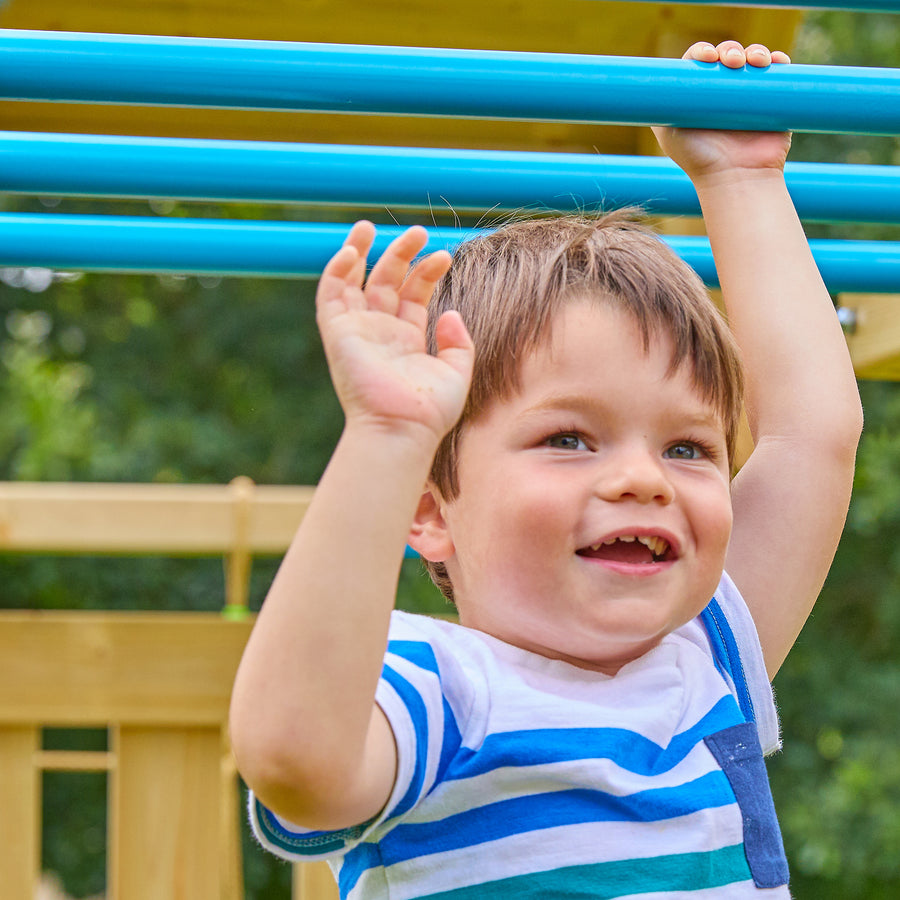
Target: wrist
(410, 443)
(738, 178)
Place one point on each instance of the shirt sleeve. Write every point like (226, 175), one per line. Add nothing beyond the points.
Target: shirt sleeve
(738, 653)
(412, 695)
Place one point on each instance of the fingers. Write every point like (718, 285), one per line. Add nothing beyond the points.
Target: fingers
(731, 54)
(389, 273)
(454, 346)
(420, 285)
(343, 275)
(702, 51)
(392, 287)
(761, 56)
(734, 55)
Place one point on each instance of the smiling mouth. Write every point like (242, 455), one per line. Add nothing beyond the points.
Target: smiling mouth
(626, 548)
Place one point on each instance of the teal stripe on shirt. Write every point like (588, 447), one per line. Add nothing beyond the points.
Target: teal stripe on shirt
(309, 843)
(605, 881)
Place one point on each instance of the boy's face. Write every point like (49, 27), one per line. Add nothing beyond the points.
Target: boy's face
(594, 508)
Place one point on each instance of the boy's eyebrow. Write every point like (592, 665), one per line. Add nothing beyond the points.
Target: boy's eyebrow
(565, 402)
(697, 414)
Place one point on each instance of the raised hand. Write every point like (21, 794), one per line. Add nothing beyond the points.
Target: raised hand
(702, 152)
(373, 331)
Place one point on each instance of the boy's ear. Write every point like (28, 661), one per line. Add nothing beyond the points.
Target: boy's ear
(429, 535)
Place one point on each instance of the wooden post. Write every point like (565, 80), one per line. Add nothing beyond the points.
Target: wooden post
(166, 814)
(314, 881)
(240, 558)
(20, 810)
(231, 862)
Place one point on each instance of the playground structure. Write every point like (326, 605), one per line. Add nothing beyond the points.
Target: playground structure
(160, 682)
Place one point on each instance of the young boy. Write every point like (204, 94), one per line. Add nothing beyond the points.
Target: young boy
(594, 726)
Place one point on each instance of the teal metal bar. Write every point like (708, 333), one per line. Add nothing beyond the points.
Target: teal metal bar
(301, 249)
(407, 177)
(346, 78)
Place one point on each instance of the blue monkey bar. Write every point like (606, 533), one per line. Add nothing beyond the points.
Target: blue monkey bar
(345, 78)
(300, 249)
(94, 166)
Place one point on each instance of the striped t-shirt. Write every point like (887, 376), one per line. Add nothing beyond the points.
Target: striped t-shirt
(526, 777)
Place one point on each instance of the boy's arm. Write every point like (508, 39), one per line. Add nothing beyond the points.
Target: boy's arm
(790, 499)
(306, 733)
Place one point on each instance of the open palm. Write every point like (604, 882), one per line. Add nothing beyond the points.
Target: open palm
(373, 331)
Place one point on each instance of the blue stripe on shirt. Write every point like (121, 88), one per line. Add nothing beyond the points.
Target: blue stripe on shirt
(416, 707)
(419, 653)
(627, 749)
(727, 654)
(360, 859)
(422, 655)
(552, 809)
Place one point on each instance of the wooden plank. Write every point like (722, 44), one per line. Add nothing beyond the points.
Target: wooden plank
(74, 761)
(165, 813)
(874, 342)
(314, 881)
(234, 810)
(89, 669)
(177, 519)
(20, 811)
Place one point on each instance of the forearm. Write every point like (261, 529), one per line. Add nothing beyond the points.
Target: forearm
(790, 499)
(304, 694)
(800, 381)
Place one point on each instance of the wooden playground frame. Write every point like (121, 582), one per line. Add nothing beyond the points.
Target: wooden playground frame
(159, 682)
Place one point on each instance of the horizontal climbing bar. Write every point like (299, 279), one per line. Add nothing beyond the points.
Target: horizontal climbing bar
(347, 78)
(100, 166)
(301, 249)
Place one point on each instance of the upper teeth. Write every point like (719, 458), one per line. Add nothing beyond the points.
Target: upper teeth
(656, 544)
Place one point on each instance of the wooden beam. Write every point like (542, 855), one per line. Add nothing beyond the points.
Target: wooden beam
(183, 519)
(86, 669)
(74, 761)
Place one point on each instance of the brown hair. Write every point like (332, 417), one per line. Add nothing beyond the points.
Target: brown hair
(509, 284)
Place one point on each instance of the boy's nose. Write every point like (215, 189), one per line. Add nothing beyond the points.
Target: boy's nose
(635, 476)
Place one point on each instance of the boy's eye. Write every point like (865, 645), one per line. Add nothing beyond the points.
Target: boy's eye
(685, 450)
(566, 441)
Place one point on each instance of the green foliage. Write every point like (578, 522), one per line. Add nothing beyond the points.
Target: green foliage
(47, 425)
(837, 784)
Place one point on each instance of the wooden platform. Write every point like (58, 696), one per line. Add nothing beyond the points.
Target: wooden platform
(159, 683)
